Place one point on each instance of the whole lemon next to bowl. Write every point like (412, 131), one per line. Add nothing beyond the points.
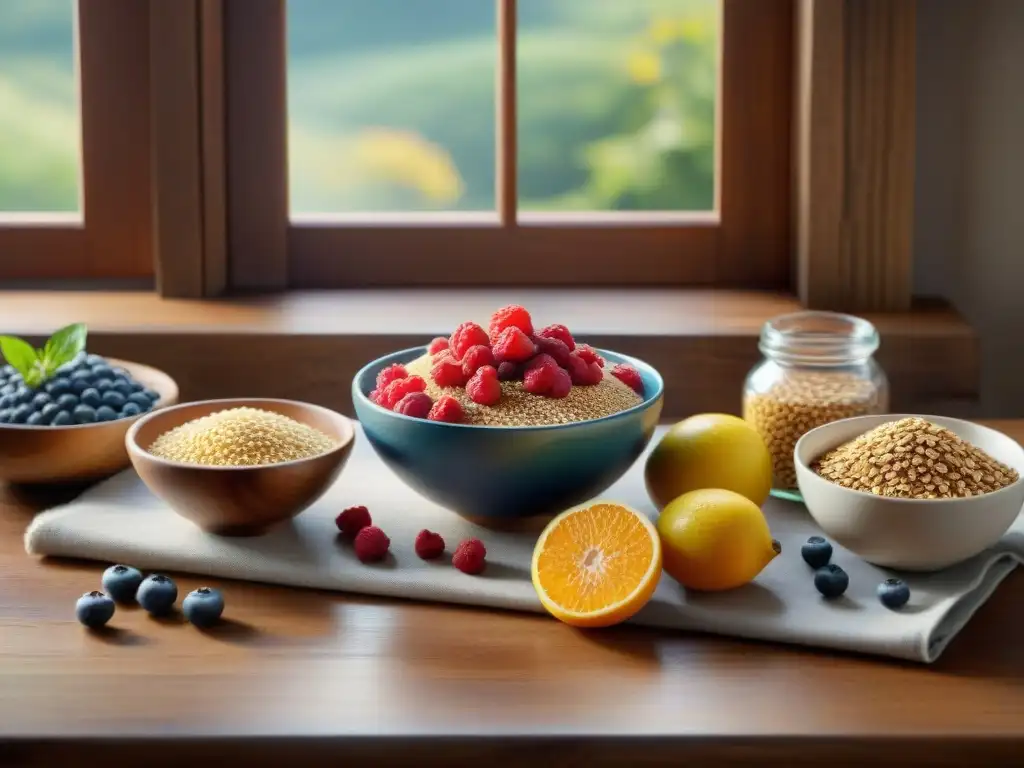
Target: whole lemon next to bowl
(713, 540)
(712, 450)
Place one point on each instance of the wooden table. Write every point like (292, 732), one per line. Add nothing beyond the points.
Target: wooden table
(306, 678)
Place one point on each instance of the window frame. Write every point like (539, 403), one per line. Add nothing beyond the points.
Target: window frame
(747, 244)
(111, 237)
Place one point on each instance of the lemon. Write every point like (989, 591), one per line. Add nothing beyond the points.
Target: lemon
(712, 450)
(714, 539)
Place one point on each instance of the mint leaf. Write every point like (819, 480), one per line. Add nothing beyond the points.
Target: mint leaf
(63, 347)
(20, 354)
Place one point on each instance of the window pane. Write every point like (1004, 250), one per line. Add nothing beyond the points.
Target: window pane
(391, 105)
(617, 104)
(40, 133)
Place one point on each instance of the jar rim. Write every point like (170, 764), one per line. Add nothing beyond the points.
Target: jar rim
(815, 337)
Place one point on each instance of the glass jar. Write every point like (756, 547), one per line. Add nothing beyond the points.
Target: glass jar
(818, 367)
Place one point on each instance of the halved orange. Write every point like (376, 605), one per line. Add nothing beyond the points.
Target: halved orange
(596, 564)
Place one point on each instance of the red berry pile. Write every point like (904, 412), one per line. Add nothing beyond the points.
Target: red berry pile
(372, 545)
(547, 361)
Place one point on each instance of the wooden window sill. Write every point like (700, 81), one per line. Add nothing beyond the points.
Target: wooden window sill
(308, 345)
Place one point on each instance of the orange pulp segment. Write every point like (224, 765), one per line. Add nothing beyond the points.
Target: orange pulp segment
(596, 564)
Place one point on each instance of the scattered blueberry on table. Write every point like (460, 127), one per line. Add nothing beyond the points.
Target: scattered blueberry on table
(816, 552)
(204, 606)
(122, 582)
(156, 594)
(831, 580)
(94, 609)
(894, 593)
(61, 385)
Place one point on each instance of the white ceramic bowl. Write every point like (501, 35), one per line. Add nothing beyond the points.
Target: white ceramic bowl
(909, 534)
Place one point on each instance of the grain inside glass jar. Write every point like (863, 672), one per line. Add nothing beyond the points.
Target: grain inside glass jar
(817, 368)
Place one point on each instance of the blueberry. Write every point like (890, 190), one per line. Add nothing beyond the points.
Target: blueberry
(24, 396)
(114, 399)
(151, 394)
(57, 387)
(48, 412)
(106, 413)
(67, 402)
(5, 415)
(82, 374)
(816, 552)
(102, 370)
(93, 360)
(157, 594)
(7, 401)
(20, 414)
(8, 389)
(140, 400)
(203, 606)
(63, 419)
(84, 414)
(94, 609)
(78, 386)
(122, 582)
(41, 399)
(8, 370)
(103, 384)
(91, 397)
(34, 419)
(894, 593)
(831, 580)
(130, 409)
(122, 387)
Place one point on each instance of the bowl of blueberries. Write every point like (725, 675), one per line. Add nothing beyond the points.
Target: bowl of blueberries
(64, 412)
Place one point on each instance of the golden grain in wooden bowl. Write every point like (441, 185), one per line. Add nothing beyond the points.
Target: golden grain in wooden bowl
(235, 499)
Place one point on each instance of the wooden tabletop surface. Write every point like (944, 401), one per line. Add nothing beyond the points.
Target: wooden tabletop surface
(308, 678)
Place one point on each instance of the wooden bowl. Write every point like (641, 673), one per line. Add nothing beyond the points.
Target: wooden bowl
(79, 452)
(239, 501)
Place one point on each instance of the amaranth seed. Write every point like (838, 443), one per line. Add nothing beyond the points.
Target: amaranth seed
(519, 408)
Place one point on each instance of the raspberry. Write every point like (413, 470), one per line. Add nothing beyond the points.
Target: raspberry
(389, 374)
(589, 354)
(398, 389)
(371, 544)
(429, 545)
(475, 358)
(513, 346)
(447, 372)
(538, 381)
(352, 520)
(465, 336)
(512, 316)
(374, 395)
(470, 556)
(629, 376)
(446, 409)
(415, 404)
(540, 374)
(484, 388)
(510, 372)
(556, 348)
(561, 385)
(559, 332)
(440, 344)
(583, 373)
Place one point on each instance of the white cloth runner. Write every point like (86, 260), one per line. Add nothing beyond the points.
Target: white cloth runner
(121, 521)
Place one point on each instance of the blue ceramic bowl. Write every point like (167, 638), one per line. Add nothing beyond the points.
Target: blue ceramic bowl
(496, 474)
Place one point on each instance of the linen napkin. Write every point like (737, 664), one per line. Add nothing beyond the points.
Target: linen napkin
(119, 520)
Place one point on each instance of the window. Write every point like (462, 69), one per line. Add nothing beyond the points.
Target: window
(530, 142)
(74, 152)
